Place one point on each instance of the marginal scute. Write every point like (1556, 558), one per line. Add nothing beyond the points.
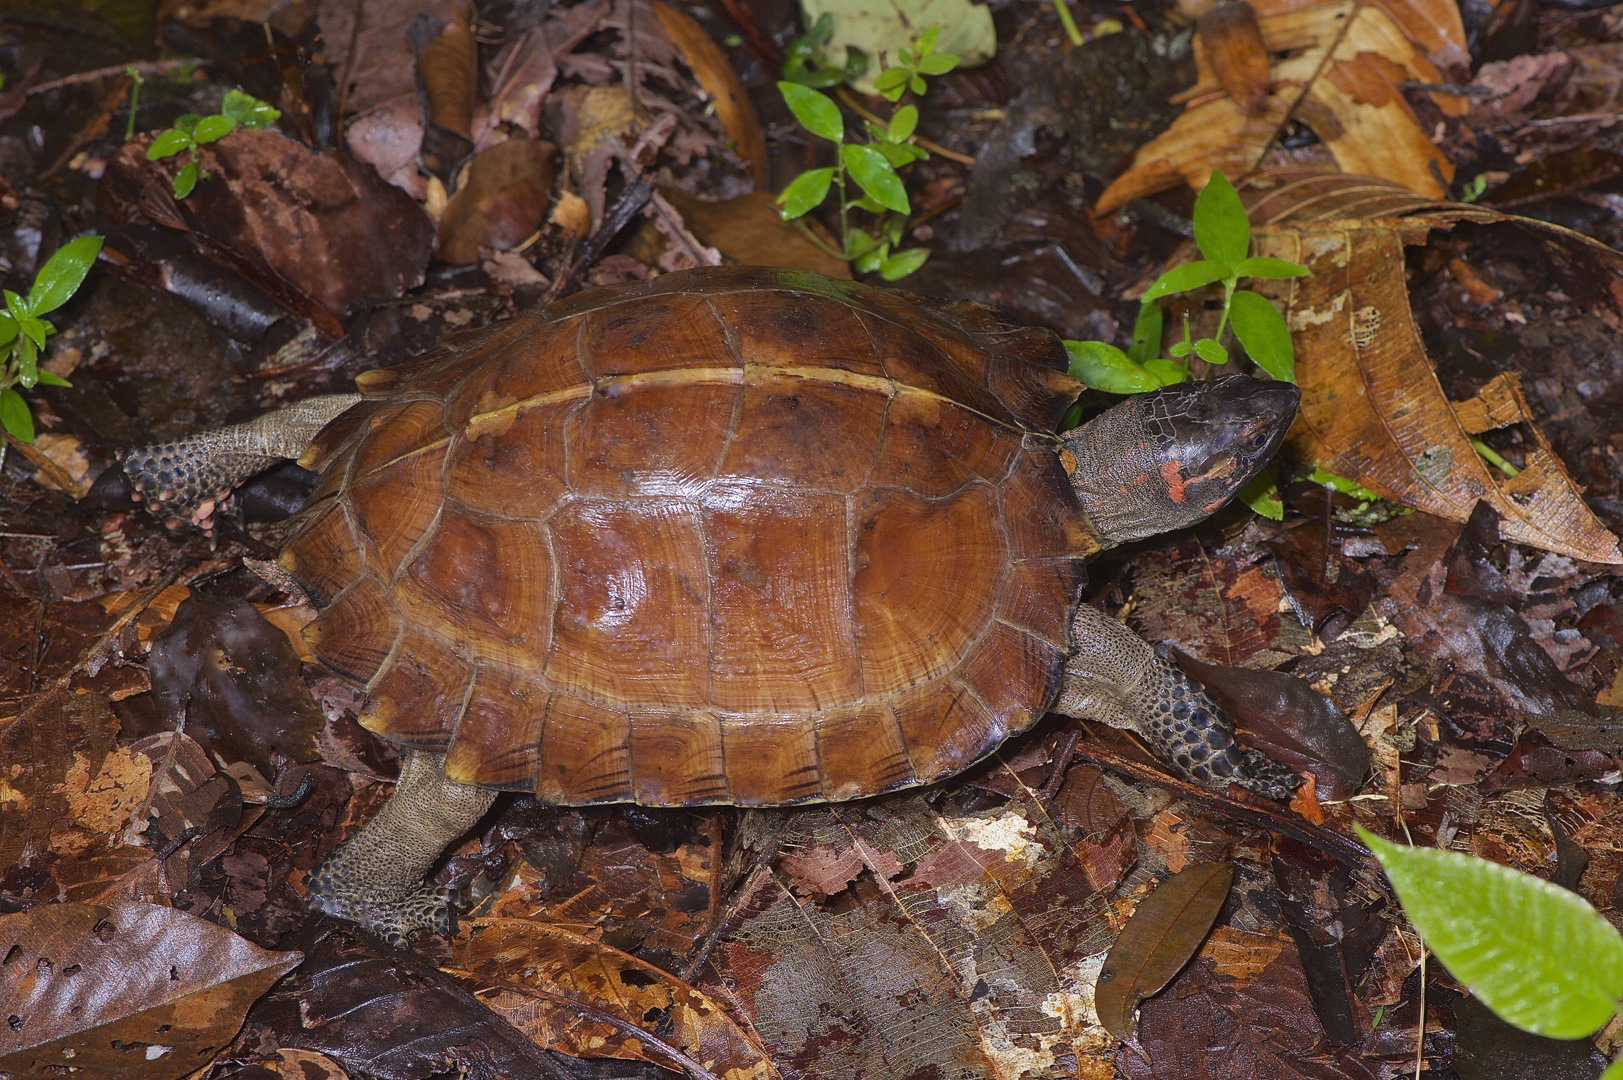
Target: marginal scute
(732, 535)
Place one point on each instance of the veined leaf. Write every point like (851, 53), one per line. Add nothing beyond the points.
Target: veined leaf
(1262, 330)
(876, 176)
(805, 192)
(1221, 227)
(1193, 275)
(1105, 367)
(816, 111)
(62, 274)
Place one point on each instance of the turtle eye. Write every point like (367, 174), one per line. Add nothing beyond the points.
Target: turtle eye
(1260, 439)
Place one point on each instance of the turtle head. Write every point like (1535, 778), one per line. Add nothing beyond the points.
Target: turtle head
(1167, 459)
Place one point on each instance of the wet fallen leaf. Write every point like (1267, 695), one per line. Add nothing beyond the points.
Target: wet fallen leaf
(710, 66)
(1340, 74)
(579, 996)
(1372, 407)
(448, 70)
(749, 230)
(1232, 44)
(1165, 931)
(132, 990)
(502, 201)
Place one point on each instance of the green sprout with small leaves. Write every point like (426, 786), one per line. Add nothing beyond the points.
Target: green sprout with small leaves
(872, 165)
(806, 59)
(23, 331)
(192, 131)
(1223, 234)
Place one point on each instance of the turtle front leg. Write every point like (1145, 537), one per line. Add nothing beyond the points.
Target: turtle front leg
(1116, 678)
(378, 877)
(188, 478)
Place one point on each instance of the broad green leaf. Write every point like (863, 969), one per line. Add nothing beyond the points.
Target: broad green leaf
(938, 63)
(898, 154)
(963, 27)
(213, 128)
(62, 274)
(1261, 493)
(16, 306)
(1614, 1071)
(1211, 351)
(861, 243)
(1147, 332)
(50, 379)
(1221, 228)
(1168, 372)
(187, 121)
(1536, 954)
(1261, 329)
(14, 415)
(863, 202)
(805, 192)
(1105, 367)
(249, 111)
(1342, 484)
(903, 124)
(8, 329)
(926, 42)
(916, 84)
(27, 362)
(868, 262)
(1182, 348)
(35, 330)
(1193, 275)
(185, 180)
(875, 176)
(168, 144)
(891, 78)
(902, 263)
(1266, 266)
(816, 111)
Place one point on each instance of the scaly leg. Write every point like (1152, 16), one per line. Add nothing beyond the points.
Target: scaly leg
(377, 877)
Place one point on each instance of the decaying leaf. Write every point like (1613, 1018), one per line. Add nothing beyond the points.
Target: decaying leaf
(1340, 73)
(548, 981)
(716, 75)
(503, 200)
(133, 990)
(1164, 933)
(1372, 408)
(1231, 42)
(749, 230)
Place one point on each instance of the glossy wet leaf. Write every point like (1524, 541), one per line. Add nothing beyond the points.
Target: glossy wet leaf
(1266, 266)
(805, 192)
(1262, 330)
(1211, 351)
(876, 176)
(1146, 344)
(903, 124)
(132, 990)
(816, 111)
(1105, 367)
(903, 263)
(248, 110)
(1164, 933)
(1538, 955)
(168, 144)
(62, 274)
(1221, 228)
(1168, 372)
(186, 180)
(213, 128)
(1193, 275)
(15, 416)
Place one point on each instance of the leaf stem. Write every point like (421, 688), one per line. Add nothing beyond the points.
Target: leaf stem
(1064, 13)
(849, 100)
(1491, 456)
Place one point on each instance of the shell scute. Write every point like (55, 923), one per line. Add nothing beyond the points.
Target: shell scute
(649, 439)
(806, 433)
(782, 752)
(585, 753)
(677, 759)
(417, 698)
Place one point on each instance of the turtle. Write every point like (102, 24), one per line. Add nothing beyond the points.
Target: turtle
(745, 536)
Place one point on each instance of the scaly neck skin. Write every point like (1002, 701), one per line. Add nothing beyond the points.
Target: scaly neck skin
(1166, 460)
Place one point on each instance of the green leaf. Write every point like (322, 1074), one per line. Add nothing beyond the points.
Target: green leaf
(213, 128)
(1168, 372)
(62, 274)
(1147, 332)
(50, 379)
(816, 111)
(1261, 329)
(248, 110)
(27, 362)
(864, 202)
(1182, 348)
(891, 79)
(916, 84)
(861, 243)
(185, 180)
(14, 415)
(1261, 493)
(1105, 367)
(867, 262)
(8, 329)
(1536, 954)
(33, 329)
(875, 176)
(938, 63)
(902, 263)
(898, 154)
(168, 144)
(903, 124)
(187, 122)
(1210, 351)
(1194, 275)
(1267, 267)
(1614, 1071)
(1221, 227)
(16, 306)
(925, 43)
(1340, 483)
(805, 192)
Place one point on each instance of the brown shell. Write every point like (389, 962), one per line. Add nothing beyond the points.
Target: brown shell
(735, 535)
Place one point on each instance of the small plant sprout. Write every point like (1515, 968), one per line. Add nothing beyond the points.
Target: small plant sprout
(806, 60)
(192, 131)
(871, 165)
(23, 331)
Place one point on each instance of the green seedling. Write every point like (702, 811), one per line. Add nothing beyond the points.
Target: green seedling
(912, 65)
(871, 166)
(192, 131)
(806, 60)
(136, 82)
(1536, 954)
(23, 331)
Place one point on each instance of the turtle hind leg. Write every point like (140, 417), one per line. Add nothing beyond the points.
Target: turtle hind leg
(1116, 678)
(377, 878)
(188, 478)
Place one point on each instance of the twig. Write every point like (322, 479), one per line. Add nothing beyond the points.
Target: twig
(626, 207)
(856, 106)
(146, 68)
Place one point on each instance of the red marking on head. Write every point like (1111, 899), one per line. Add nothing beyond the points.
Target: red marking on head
(1174, 478)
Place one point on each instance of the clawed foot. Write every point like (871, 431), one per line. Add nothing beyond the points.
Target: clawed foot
(424, 907)
(1262, 774)
(167, 479)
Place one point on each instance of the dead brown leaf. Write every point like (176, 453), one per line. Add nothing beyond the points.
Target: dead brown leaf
(579, 996)
(716, 75)
(503, 200)
(133, 990)
(1164, 933)
(1232, 44)
(749, 230)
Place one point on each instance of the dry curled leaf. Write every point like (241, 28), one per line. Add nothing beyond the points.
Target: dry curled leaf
(135, 990)
(1163, 935)
(719, 80)
(595, 1001)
